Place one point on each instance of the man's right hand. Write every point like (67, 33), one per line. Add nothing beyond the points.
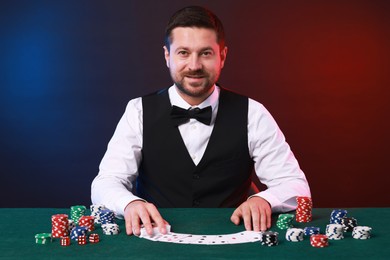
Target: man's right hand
(140, 212)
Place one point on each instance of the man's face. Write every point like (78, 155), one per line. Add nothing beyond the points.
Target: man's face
(194, 61)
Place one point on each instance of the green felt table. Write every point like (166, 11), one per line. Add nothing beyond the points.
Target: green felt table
(20, 225)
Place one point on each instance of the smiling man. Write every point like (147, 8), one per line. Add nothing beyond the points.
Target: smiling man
(195, 144)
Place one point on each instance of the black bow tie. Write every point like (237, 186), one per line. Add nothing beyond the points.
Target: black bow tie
(180, 116)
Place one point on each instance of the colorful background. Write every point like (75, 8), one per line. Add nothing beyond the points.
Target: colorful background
(68, 69)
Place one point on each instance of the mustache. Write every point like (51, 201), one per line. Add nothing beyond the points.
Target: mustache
(195, 73)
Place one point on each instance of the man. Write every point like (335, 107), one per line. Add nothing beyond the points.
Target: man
(195, 144)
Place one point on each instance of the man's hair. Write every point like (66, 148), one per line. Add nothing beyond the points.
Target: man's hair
(195, 16)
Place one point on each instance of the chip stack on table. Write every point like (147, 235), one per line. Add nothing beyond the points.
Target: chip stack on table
(107, 216)
(294, 234)
(311, 231)
(59, 225)
(269, 238)
(361, 232)
(334, 231)
(82, 240)
(304, 209)
(348, 223)
(285, 221)
(110, 229)
(88, 222)
(78, 231)
(65, 241)
(76, 212)
(319, 240)
(337, 215)
(43, 238)
(95, 211)
(94, 238)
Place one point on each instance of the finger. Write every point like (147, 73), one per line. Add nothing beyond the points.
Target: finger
(263, 220)
(246, 215)
(129, 229)
(157, 219)
(255, 219)
(236, 216)
(269, 217)
(145, 219)
(135, 224)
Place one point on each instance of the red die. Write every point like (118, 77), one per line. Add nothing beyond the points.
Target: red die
(94, 238)
(65, 241)
(82, 240)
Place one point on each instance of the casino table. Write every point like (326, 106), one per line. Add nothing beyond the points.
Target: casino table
(19, 226)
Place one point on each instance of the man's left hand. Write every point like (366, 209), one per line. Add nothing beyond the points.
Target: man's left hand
(256, 213)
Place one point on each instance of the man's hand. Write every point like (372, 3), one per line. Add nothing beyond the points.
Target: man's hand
(137, 212)
(256, 213)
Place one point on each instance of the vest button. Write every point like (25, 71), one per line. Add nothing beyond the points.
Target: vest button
(196, 176)
(195, 203)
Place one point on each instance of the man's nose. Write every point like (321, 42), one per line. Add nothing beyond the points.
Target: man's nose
(194, 62)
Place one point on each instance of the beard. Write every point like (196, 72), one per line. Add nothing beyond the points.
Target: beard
(194, 89)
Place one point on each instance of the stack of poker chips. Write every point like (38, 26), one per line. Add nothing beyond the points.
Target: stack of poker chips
(285, 221)
(304, 209)
(78, 231)
(311, 231)
(110, 229)
(88, 222)
(348, 224)
(59, 225)
(43, 238)
(294, 234)
(269, 238)
(76, 212)
(361, 232)
(82, 240)
(107, 216)
(94, 238)
(95, 211)
(337, 215)
(65, 241)
(319, 240)
(71, 225)
(334, 231)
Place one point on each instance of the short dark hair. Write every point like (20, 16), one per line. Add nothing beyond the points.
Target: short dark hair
(195, 16)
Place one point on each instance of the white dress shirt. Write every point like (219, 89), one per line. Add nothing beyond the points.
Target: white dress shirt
(274, 163)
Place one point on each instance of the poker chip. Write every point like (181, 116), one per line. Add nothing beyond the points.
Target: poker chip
(88, 222)
(65, 241)
(334, 231)
(269, 238)
(348, 223)
(94, 238)
(304, 209)
(95, 211)
(311, 231)
(82, 240)
(361, 232)
(76, 212)
(336, 215)
(43, 238)
(318, 240)
(78, 231)
(294, 234)
(71, 225)
(285, 221)
(106, 216)
(59, 225)
(110, 229)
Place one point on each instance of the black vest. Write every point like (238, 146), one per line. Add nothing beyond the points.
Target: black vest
(169, 178)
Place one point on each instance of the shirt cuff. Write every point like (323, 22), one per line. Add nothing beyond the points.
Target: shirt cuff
(276, 205)
(122, 203)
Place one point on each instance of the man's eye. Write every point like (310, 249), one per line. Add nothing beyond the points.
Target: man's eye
(207, 53)
(182, 53)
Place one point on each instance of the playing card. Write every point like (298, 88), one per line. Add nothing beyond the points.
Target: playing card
(252, 236)
(172, 237)
(190, 239)
(236, 238)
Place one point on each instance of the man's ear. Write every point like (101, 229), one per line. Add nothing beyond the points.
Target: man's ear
(223, 56)
(166, 55)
